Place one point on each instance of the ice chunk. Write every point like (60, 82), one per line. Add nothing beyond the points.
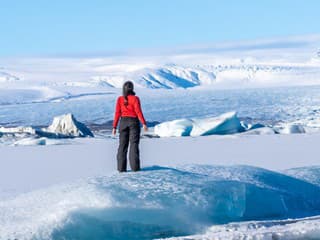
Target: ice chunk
(292, 128)
(227, 123)
(259, 131)
(30, 142)
(176, 128)
(67, 125)
(19, 130)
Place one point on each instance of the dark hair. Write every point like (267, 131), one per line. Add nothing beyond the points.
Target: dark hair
(127, 90)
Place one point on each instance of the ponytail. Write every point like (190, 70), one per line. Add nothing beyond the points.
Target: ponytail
(127, 90)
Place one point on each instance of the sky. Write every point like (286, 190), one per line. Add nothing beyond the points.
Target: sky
(67, 27)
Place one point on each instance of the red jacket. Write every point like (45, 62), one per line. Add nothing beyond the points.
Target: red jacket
(133, 109)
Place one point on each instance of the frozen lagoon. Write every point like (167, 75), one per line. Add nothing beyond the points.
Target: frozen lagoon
(51, 192)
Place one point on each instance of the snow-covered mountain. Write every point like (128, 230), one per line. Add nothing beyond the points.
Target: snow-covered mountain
(264, 63)
(237, 75)
(6, 77)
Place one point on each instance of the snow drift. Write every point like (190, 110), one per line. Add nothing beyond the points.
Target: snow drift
(156, 202)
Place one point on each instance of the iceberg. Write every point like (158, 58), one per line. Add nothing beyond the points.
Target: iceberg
(259, 131)
(227, 123)
(292, 129)
(30, 142)
(17, 130)
(176, 128)
(66, 126)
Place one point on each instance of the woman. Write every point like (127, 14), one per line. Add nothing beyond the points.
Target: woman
(128, 108)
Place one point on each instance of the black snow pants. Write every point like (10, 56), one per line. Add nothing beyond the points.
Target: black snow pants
(129, 130)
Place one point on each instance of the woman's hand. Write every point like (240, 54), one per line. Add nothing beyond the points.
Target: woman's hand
(114, 131)
(145, 128)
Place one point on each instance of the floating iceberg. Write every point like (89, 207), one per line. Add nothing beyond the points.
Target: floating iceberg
(227, 123)
(176, 128)
(17, 130)
(157, 202)
(66, 126)
(30, 142)
(259, 131)
(292, 129)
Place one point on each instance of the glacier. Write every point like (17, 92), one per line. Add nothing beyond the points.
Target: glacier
(157, 202)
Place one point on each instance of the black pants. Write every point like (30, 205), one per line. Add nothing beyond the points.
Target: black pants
(129, 133)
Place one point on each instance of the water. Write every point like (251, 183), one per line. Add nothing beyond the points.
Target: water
(259, 105)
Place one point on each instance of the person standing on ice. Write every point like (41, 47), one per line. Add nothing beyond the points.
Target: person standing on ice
(128, 110)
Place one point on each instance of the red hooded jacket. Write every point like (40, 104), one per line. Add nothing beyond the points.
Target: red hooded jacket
(133, 109)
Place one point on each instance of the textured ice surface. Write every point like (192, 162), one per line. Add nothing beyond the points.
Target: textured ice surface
(310, 174)
(67, 125)
(157, 202)
(291, 229)
(259, 131)
(175, 128)
(227, 123)
(293, 128)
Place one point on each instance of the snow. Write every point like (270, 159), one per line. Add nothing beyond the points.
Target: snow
(276, 62)
(93, 203)
(67, 125)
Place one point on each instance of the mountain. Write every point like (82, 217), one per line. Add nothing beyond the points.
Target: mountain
(259, 63)
(228, 75)
(6, 77)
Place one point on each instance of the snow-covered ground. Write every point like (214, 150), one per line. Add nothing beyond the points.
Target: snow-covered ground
(248, 184)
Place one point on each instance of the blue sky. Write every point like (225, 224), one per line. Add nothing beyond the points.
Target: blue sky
(69, 27)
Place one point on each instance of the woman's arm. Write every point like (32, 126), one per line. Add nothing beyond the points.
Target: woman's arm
(137, 109)
(117, 114)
